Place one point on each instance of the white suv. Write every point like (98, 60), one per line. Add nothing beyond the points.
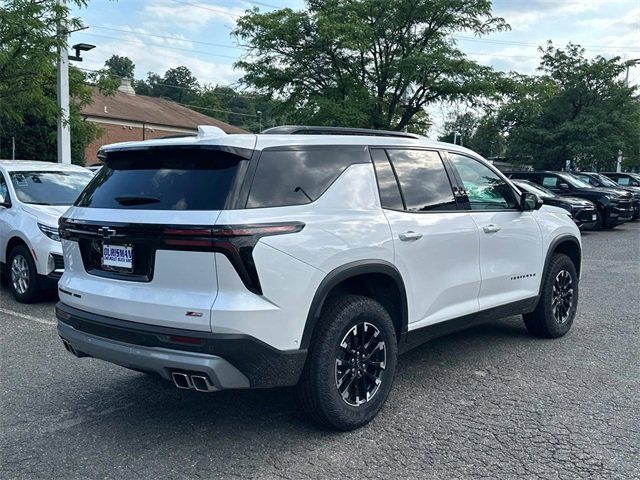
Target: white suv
(33, 195)
(306, 256)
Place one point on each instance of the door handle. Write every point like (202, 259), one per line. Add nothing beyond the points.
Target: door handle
(409, 236)
(491, 228)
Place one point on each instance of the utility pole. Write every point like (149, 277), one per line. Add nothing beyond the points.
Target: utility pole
(64, 134)
(633, 61)
(619, 162)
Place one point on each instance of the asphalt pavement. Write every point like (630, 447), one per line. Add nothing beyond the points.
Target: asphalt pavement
(488, 402)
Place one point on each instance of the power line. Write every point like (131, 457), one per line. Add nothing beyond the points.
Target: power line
(166, 37)
(236, 94)
(211, 9)
(532, 44)
(158, 45)
(216, 109)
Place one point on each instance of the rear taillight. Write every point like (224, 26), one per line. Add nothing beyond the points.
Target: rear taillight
(236, 242)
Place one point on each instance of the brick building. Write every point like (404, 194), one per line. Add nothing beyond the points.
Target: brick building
(126, 116)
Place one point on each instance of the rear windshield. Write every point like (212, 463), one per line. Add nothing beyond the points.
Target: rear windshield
(49, 187)
(163, 179)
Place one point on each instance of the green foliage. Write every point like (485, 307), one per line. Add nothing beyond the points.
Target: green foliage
(481, 133)
(120, 67)
(366, 63)
(177, 84)
(28, 54)
(219, 102)
(578, 109)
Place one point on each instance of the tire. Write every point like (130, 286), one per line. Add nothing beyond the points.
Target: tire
(321, 396)
(545, 321)
(22, 275)
(599, 220)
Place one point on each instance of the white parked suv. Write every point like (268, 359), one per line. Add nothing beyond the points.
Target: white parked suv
(33, 195)
(307, 256)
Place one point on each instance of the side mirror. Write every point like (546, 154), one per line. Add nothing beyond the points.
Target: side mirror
(4, 202)
(530, 201)
(563, 186)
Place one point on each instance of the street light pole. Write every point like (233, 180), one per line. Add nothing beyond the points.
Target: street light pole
(64, 134)
(259, 121)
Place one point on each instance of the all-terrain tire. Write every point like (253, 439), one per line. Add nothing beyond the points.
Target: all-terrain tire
(318, 390)
(556, 309)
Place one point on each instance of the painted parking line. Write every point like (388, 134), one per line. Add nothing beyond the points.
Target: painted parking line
(51, 323)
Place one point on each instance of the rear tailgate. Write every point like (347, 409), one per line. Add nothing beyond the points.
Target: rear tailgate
(137, 244)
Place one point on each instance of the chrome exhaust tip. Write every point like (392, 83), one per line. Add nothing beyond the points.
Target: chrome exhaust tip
(69, 348)
(181, 380)
(202, 383)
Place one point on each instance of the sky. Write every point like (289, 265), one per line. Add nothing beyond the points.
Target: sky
(162, 34)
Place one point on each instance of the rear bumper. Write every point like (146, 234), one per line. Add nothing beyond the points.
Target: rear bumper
(229, 360)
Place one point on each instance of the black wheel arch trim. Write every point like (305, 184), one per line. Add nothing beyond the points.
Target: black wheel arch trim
(552, 249)
(342, 273)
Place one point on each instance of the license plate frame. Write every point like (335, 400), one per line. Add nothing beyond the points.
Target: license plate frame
(117, 257)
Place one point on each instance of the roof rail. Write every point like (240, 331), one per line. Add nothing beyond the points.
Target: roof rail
(318, 130)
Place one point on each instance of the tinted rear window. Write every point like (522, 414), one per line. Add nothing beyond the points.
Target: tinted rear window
(163, 179)
(299, 176)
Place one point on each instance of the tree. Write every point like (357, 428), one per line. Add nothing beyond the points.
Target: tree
(177, 84)
(578, 109)
(464, 124)
(120, 67)
(366, 63)
(29, 46)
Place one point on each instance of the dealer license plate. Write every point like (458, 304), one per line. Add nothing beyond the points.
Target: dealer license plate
(117, 256)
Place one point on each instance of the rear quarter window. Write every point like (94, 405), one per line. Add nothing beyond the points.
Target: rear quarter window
(295, 176)
(163, 179)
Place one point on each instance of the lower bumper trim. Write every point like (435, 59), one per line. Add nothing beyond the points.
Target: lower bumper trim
(263, 365)
(159, 360)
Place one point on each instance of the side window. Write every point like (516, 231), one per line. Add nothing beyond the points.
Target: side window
(4, 190)
(550, 181)
(485, 189)
(296, 177)
(623, 181)
(387, 183)
(424, 183)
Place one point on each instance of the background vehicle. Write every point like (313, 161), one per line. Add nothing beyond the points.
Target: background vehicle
(582, 211)
(94, 168)
(600, 180)
(280, 259)
(624, 179)
(33, 196)
(614, 207)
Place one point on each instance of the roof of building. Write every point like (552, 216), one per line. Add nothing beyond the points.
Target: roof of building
(157, 111)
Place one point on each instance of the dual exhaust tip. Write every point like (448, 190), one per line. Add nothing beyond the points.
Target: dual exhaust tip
(200, 383)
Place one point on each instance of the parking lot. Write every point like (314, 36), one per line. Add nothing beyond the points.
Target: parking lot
(488, 402)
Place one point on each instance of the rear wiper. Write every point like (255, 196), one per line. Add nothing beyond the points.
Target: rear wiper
(136, 200)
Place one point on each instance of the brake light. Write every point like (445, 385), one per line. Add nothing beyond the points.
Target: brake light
(236, 242)
(186, 340)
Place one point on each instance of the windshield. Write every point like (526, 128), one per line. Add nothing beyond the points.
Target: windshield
(606, 181)
(49, 187)
(573, 180)
(533, 188)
